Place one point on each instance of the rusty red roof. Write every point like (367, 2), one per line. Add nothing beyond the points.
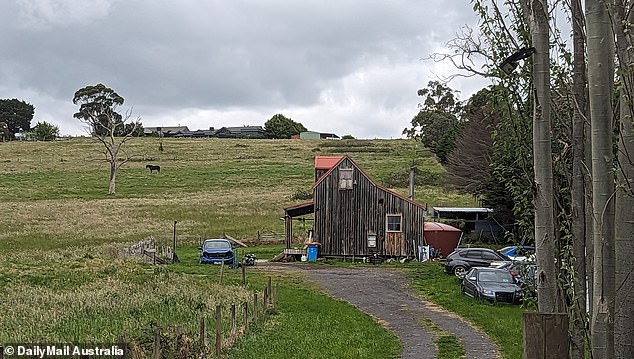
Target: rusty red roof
(326, 162)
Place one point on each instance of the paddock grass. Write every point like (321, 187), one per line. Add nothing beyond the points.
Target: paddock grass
(54, 194)
(58, 227)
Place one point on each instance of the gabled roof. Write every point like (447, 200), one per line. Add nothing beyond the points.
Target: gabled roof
(322, 178)
(326, 162)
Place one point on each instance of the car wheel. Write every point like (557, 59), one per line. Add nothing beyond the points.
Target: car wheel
(459, 271)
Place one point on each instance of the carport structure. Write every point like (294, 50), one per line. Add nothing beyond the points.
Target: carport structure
(298, 213)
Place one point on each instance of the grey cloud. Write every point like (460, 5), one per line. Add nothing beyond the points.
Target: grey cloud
(165, 56)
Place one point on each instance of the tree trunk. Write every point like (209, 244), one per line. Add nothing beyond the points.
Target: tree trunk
(600, 75)
(113, 177)
(579, 317)
(542, 163)
(624, 221)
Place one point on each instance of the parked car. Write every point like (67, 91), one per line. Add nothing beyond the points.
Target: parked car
(217, 251)
(524, 272)
(463, 259)
(519, 253)
(492, 284)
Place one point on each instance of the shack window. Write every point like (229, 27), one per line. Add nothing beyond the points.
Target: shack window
(345, 178)
(371, 240)
(394, 222)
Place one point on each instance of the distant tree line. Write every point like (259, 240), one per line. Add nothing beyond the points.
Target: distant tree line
(16, 116)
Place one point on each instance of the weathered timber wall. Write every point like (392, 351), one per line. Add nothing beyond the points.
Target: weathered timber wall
(343, 218)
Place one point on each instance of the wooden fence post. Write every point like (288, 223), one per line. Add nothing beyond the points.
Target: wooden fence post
(264, 302)
(203, 345)
(156, 346)
(122, 344)
(255, 307)
(218, 331)
(244, 275)
(545, 335)
(222, 270)
(269, 290)
(245, 316)
(233, 320)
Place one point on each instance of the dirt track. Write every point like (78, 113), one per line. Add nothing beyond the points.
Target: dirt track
(386, 295)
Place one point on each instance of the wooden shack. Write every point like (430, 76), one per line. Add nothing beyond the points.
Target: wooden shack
(354, 216)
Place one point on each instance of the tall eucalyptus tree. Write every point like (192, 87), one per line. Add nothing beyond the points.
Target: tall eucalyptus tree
(578, 227)
(600, 47)
(623, 25)
(543, 195)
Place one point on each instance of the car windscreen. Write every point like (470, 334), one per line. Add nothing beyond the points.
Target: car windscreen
(497, 277)
(217, 245)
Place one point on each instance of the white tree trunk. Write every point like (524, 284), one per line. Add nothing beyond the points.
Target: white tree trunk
(113, 178)
(542, 163)
(578, 190)
(600, 83)
(624, 221)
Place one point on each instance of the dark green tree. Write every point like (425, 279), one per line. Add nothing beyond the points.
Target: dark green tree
(437, 124)
(17, 115)
(44, 131)
(98, 109)
(98, 106)
(280, 126)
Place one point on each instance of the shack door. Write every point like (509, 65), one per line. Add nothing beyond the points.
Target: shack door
(394, 237)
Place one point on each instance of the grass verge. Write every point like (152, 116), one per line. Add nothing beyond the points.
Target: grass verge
(448, 346)
(502, 322)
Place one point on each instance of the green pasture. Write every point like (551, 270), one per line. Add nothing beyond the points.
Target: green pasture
(60, 279)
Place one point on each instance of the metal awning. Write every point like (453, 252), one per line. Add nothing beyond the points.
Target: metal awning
(301, 209)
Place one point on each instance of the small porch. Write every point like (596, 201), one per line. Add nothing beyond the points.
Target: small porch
(297, 213)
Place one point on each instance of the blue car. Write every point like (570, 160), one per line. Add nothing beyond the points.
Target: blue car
(217, 251)
(519, 253)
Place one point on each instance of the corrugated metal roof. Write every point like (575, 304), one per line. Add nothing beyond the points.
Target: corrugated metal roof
(463, 209)
(326, 162)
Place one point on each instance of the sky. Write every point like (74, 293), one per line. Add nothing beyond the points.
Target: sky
(344, 67)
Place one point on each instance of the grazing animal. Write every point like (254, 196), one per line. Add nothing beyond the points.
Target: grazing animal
(153, 168)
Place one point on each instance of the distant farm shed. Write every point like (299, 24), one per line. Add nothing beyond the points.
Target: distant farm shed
(312, 135)
(354, 216)
(443, 237)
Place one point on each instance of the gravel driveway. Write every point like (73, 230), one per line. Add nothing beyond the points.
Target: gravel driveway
(386, 295)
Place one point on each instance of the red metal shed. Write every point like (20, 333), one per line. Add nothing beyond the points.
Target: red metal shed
(443, 237)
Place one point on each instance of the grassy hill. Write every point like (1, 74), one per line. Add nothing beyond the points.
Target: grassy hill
(54, 194)
(58, 227)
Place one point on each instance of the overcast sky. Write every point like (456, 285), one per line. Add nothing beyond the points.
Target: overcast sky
(348, 67)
